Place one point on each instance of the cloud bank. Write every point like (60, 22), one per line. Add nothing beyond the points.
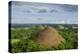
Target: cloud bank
(27, 12)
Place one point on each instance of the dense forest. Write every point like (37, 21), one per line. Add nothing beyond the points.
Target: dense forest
(22, 37)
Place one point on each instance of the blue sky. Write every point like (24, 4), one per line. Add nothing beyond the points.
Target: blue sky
(41, 13)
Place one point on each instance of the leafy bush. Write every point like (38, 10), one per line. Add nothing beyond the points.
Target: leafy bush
(22, 40)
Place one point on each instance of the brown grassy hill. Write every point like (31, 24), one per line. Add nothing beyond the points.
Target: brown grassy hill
(49, 37)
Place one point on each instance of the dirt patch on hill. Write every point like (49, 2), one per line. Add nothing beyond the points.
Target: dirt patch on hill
(49, 37)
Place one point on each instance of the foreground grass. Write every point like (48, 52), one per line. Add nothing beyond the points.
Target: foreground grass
(22, 39)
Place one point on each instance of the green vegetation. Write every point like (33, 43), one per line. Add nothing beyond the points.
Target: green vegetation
(22, 40)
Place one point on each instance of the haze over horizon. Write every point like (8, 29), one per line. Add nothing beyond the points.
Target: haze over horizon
(43, 13)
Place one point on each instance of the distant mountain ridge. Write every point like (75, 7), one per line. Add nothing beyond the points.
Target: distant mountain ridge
(29, 25)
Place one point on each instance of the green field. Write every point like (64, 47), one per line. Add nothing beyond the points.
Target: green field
(22, 39)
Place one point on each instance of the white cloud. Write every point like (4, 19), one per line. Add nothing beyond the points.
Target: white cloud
(42, 13)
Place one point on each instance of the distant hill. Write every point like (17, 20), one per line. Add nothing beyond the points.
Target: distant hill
(29, 25)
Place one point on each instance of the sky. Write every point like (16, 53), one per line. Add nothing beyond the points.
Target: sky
(41, 13)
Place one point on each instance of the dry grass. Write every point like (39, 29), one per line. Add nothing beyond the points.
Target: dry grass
(49, 37)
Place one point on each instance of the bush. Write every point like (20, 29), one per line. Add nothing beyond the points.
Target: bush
(25, 39)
